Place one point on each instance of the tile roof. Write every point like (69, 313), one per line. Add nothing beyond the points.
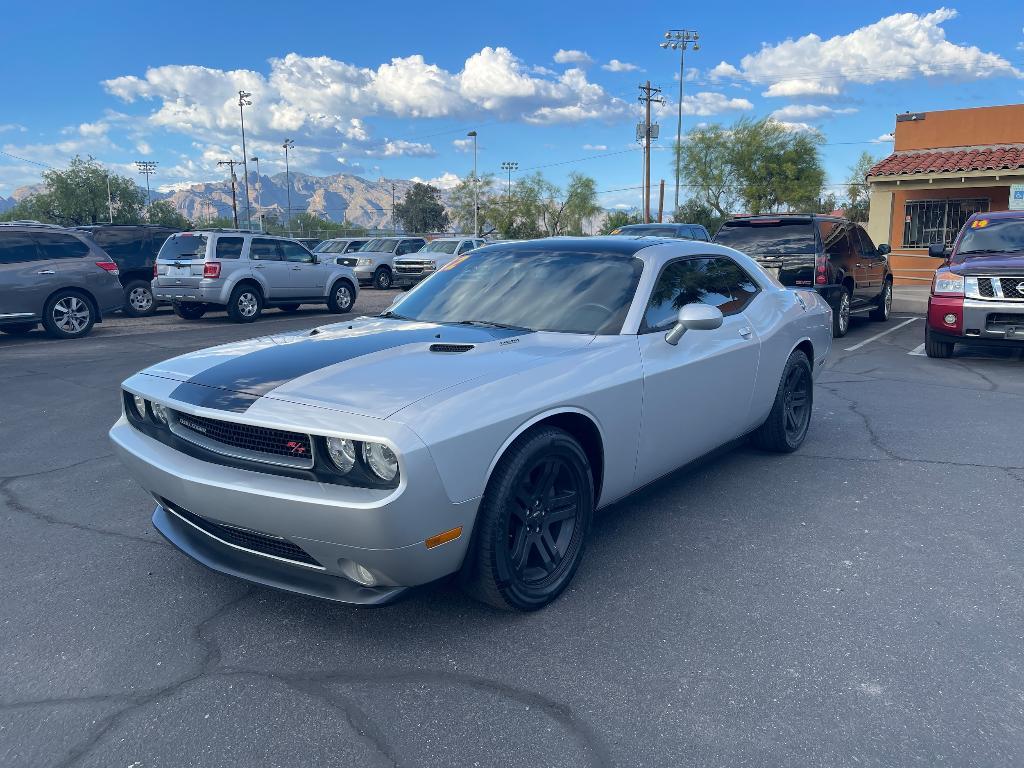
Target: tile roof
(991, 158)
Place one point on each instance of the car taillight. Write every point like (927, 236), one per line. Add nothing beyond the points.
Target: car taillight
(211, 269)
(821, 269)
(108, 266)
(155, 273)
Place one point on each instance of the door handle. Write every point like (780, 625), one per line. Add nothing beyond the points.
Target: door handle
(46, 272)
(259, 266)
(745, 332)
(296, 268)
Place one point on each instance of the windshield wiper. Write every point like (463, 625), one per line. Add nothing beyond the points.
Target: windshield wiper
(393, 316)
(491, 324)
(983, 251)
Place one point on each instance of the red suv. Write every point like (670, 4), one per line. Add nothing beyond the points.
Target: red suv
(977, 295)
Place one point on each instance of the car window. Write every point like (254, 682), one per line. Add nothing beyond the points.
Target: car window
(120, 244)
(55, 245)
(410, 246)
(440, 246)
(295, 253)
(16, 247)
(649, 231)
(264, 250)
(863, 240)
(835, 236)
(718, 282)
(762, 238)
(467, 245)
(229, 247)
(355, 245)
(183, 246)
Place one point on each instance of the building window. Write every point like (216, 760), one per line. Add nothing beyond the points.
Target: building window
(937, 221)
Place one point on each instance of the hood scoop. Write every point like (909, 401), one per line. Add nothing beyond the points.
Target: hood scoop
(451, 348)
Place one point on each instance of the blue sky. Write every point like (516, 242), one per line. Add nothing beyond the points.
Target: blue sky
(389, 89)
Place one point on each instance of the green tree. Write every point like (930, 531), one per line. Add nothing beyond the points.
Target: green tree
(422, 210)
(616, 219)
(78, 196)
(460, 203)
(566, 214)
(166, 215)
(696, 211)
(857, 192)
(706, 166)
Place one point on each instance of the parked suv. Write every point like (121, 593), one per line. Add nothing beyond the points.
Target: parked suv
(376, 259)
(409, 270)
(977, 295)
(133, 247)
(834, 256)
(245, 272)
(54, 276)
(340, 245)
(680, 231)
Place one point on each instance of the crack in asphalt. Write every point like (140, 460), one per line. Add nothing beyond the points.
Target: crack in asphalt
(873, 437)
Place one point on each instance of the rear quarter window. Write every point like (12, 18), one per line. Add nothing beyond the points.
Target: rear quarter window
(768, 239)
(54, 245)
(229, 247)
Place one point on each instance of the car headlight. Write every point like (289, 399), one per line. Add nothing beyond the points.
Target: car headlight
(364, 262)
(381, 460)
(430, 265)
(342, 453)
(159, 413)
(140, 405)
(948, 283)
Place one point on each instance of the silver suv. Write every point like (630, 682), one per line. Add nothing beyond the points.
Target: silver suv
(245, 272)
(375, 260)
(409, 270)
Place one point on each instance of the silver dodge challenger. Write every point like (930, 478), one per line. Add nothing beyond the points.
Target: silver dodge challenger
(475, 427)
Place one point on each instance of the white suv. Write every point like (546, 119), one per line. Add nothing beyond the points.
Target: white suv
(245, 272)
(409, 270)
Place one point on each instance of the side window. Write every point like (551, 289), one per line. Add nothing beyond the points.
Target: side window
(59, 246)
(121, 245)
(229, 247)
(719, 282)
(295, 252)
(264, 250)
(17, 247)
(836, 240)
(867, 248)
(355, 245)
(465, 245)
(699, 233)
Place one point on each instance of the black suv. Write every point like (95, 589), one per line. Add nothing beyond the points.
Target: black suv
(671, 229)
(832, 255)
(133, 247)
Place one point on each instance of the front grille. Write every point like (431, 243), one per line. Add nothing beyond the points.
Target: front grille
(985, 287)
(1003, 319)
(245, 538)
(275, 442)
(1013, 287)
(345, 262)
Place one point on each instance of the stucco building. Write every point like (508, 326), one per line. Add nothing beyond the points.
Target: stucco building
(945, 166)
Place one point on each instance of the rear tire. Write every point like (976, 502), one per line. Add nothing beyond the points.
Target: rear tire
(68, 315)
(884, 307)
(18, 329)
(342, 297)
(189, 311)
(786, 426)
(138, 299)
(246, 304)
(841, 314)
(382, 278)
(936, 348)
(532, 525)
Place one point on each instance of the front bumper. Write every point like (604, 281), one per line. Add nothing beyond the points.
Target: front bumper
(400, 280)
(364, 274)
(339, 527)
(976, 320)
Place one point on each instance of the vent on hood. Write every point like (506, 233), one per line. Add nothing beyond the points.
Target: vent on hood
(451, 347)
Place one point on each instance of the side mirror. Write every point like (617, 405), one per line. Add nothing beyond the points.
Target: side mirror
(695, 317)
(937, 250)
(884, 249)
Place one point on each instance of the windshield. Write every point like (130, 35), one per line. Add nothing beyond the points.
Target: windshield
(542, 289)
(331, 246)
(773, 239)
(991, 236)
(186, 245)
(381, 245)
(440, 246)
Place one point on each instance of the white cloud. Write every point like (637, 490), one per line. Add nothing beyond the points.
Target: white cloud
(463, 145)
(620, 66)
(797, 126)
(446, 180)
(595, 147)
(91, 130)
(810, 112)
(143, 148)
(885, 138)
(563, 56)
(897, 47)
(5, 127)
(402, 148)
(704, 104)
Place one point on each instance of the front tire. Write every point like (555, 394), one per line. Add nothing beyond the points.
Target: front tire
(935, 348)
(532, 525)
(787, 424)
(382, 278)
(138, 299)
(342, 297)
(884, 307)
(68, 315)
(246, 304)
(189, 311)
(841, 314)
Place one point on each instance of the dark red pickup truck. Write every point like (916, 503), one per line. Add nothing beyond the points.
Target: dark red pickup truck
(977, 295)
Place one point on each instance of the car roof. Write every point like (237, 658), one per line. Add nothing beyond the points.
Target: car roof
(604, 244)
(996, 215)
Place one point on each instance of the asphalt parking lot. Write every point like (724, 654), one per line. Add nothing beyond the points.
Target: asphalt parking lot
(856, 603)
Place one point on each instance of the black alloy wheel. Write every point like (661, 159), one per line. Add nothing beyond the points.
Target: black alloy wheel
(382, 278)
(790, 418)
(797, 399)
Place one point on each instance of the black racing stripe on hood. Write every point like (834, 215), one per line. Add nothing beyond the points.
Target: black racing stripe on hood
(236, 384)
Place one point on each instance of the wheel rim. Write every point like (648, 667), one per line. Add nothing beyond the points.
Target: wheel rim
(543, 520)
(844, 312)
(343, 296)
(384, 280)
(888, 299)
(140, 299)
(71, 314)
(797, 402)
(247, 304)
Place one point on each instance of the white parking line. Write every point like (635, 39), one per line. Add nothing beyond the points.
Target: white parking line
(918, 350)
(880, 335)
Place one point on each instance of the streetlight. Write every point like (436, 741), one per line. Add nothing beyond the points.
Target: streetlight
(146, 168)
(680, 39)
(243, 101)
(259, 192)
(476, 190)
(288, 144)
(509, 166)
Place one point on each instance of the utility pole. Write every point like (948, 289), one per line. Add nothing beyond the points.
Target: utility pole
(110, 201)
(259, 193)
(394, 220)
(146, 168)
(661, 201)
(234, 203)
(510, 166)
(288, 144)
(476, 190)
(648, 95)
(243, 101)
(680, 39)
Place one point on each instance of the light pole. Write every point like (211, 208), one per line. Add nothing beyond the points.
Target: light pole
(394, 221)
(288, 144)
(476, 191)
(680, 39)
(259, 192)
(146, 168)
(243, 101)
(509, 166)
